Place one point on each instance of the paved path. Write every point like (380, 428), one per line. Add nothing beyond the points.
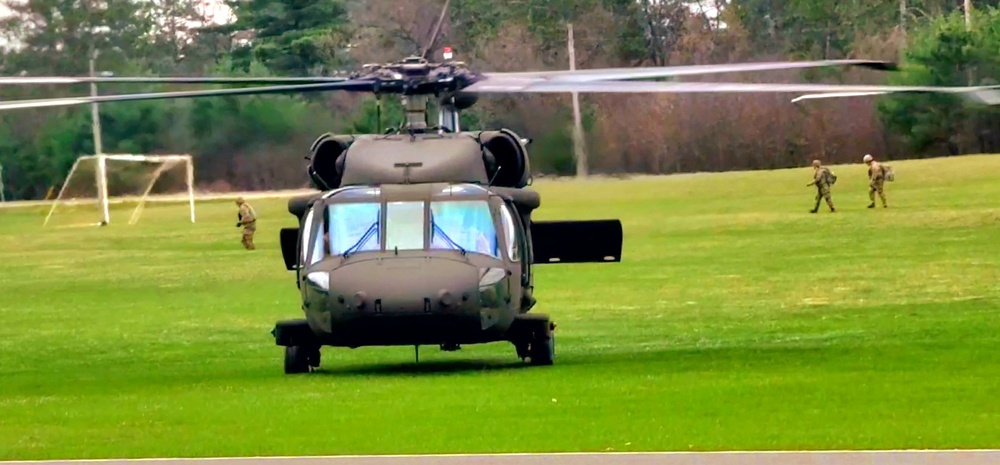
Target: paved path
(935, 457)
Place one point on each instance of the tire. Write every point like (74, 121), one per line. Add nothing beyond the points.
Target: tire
(522, 349)
(296, 360)
(313, 357)
(543, 349)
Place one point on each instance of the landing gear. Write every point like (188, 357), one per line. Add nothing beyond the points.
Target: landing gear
(542, 350)
(301, 348)
(535, 339)
(300, 359)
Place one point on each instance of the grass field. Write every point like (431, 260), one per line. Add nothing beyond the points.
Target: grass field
(737, 320)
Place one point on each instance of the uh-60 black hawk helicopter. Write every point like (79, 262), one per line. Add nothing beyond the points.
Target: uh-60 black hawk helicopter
(423, 235)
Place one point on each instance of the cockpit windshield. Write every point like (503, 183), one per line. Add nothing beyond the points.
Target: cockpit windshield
(354, 227)
(465, 225)
(404, 226)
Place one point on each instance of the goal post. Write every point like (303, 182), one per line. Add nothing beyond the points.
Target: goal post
(125, 178)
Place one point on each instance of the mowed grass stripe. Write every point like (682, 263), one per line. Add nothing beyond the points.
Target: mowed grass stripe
(737, 320)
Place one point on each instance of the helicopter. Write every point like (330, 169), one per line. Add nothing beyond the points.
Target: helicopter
(423, 235)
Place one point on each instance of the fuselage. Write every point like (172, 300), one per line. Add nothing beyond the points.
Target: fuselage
(410, 264)
(425, 239)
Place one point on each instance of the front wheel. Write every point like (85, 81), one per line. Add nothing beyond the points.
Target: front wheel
(543, 348)
(300, 359)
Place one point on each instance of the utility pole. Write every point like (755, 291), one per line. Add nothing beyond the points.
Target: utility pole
(101, 172)
(902, 16)
(968, 27)
(579, 150)
(2, 198)
(94, 114)
(901, 53)
(968, 14)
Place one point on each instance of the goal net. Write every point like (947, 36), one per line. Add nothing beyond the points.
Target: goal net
(102, 188)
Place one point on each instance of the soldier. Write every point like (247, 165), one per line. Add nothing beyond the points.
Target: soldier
(876, 179)
(248, 220)
(822, 179)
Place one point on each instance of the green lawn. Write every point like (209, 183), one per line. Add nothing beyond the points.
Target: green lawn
(736, 320)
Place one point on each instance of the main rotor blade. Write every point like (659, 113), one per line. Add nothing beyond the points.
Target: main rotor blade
(351, 86)
(712, 87)
(835, 95)
(605, 74)
(12, 80)
(987, 95)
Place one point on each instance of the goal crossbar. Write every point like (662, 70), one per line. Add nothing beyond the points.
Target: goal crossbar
(140, 157)
(168, 161)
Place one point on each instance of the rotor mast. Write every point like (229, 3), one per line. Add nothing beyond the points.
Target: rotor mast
(416, 112)
(448, 114)
(416, 80)
(415, 107)
(448, 118)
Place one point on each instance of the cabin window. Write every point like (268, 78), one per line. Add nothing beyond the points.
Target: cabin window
(404, 228)
(463, 225)
(354, 227)
(507, 220)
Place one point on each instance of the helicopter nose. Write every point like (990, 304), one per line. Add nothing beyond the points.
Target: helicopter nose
(405, 285)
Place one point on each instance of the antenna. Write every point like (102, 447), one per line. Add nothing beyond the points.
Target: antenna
(437, 30)
(494, 178)
(378, 113)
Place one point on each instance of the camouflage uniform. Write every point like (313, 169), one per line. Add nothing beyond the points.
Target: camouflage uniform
(876, 179)
(248, 220)
(821, 179)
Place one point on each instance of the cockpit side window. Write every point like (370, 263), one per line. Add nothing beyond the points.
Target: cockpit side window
(307, 244)
(318, 251)
(511, 239)
(354, 227)
(463, 225)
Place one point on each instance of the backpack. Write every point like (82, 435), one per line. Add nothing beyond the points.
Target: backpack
(831, 178)
(888, 174)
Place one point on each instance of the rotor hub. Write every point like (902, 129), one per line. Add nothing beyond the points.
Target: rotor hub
(416, 76)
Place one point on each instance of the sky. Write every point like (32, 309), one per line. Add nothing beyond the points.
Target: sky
(216, 5)
(219, 13)
(215, 11)
(4, 12)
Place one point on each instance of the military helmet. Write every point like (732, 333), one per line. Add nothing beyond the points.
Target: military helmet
(239, 201)
(816, 163)
(868, 158)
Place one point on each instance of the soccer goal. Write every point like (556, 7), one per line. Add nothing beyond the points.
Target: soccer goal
(121, 180)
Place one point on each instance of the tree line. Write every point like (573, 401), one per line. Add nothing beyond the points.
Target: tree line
(258, 142)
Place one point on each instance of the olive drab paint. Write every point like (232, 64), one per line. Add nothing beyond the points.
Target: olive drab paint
(362, 287)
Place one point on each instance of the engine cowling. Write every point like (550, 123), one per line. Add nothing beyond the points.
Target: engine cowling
(326, 164)
(458, 101)
(509, 165)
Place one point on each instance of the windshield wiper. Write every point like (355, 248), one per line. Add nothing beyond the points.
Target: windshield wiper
(439, 230)
(364, 238)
